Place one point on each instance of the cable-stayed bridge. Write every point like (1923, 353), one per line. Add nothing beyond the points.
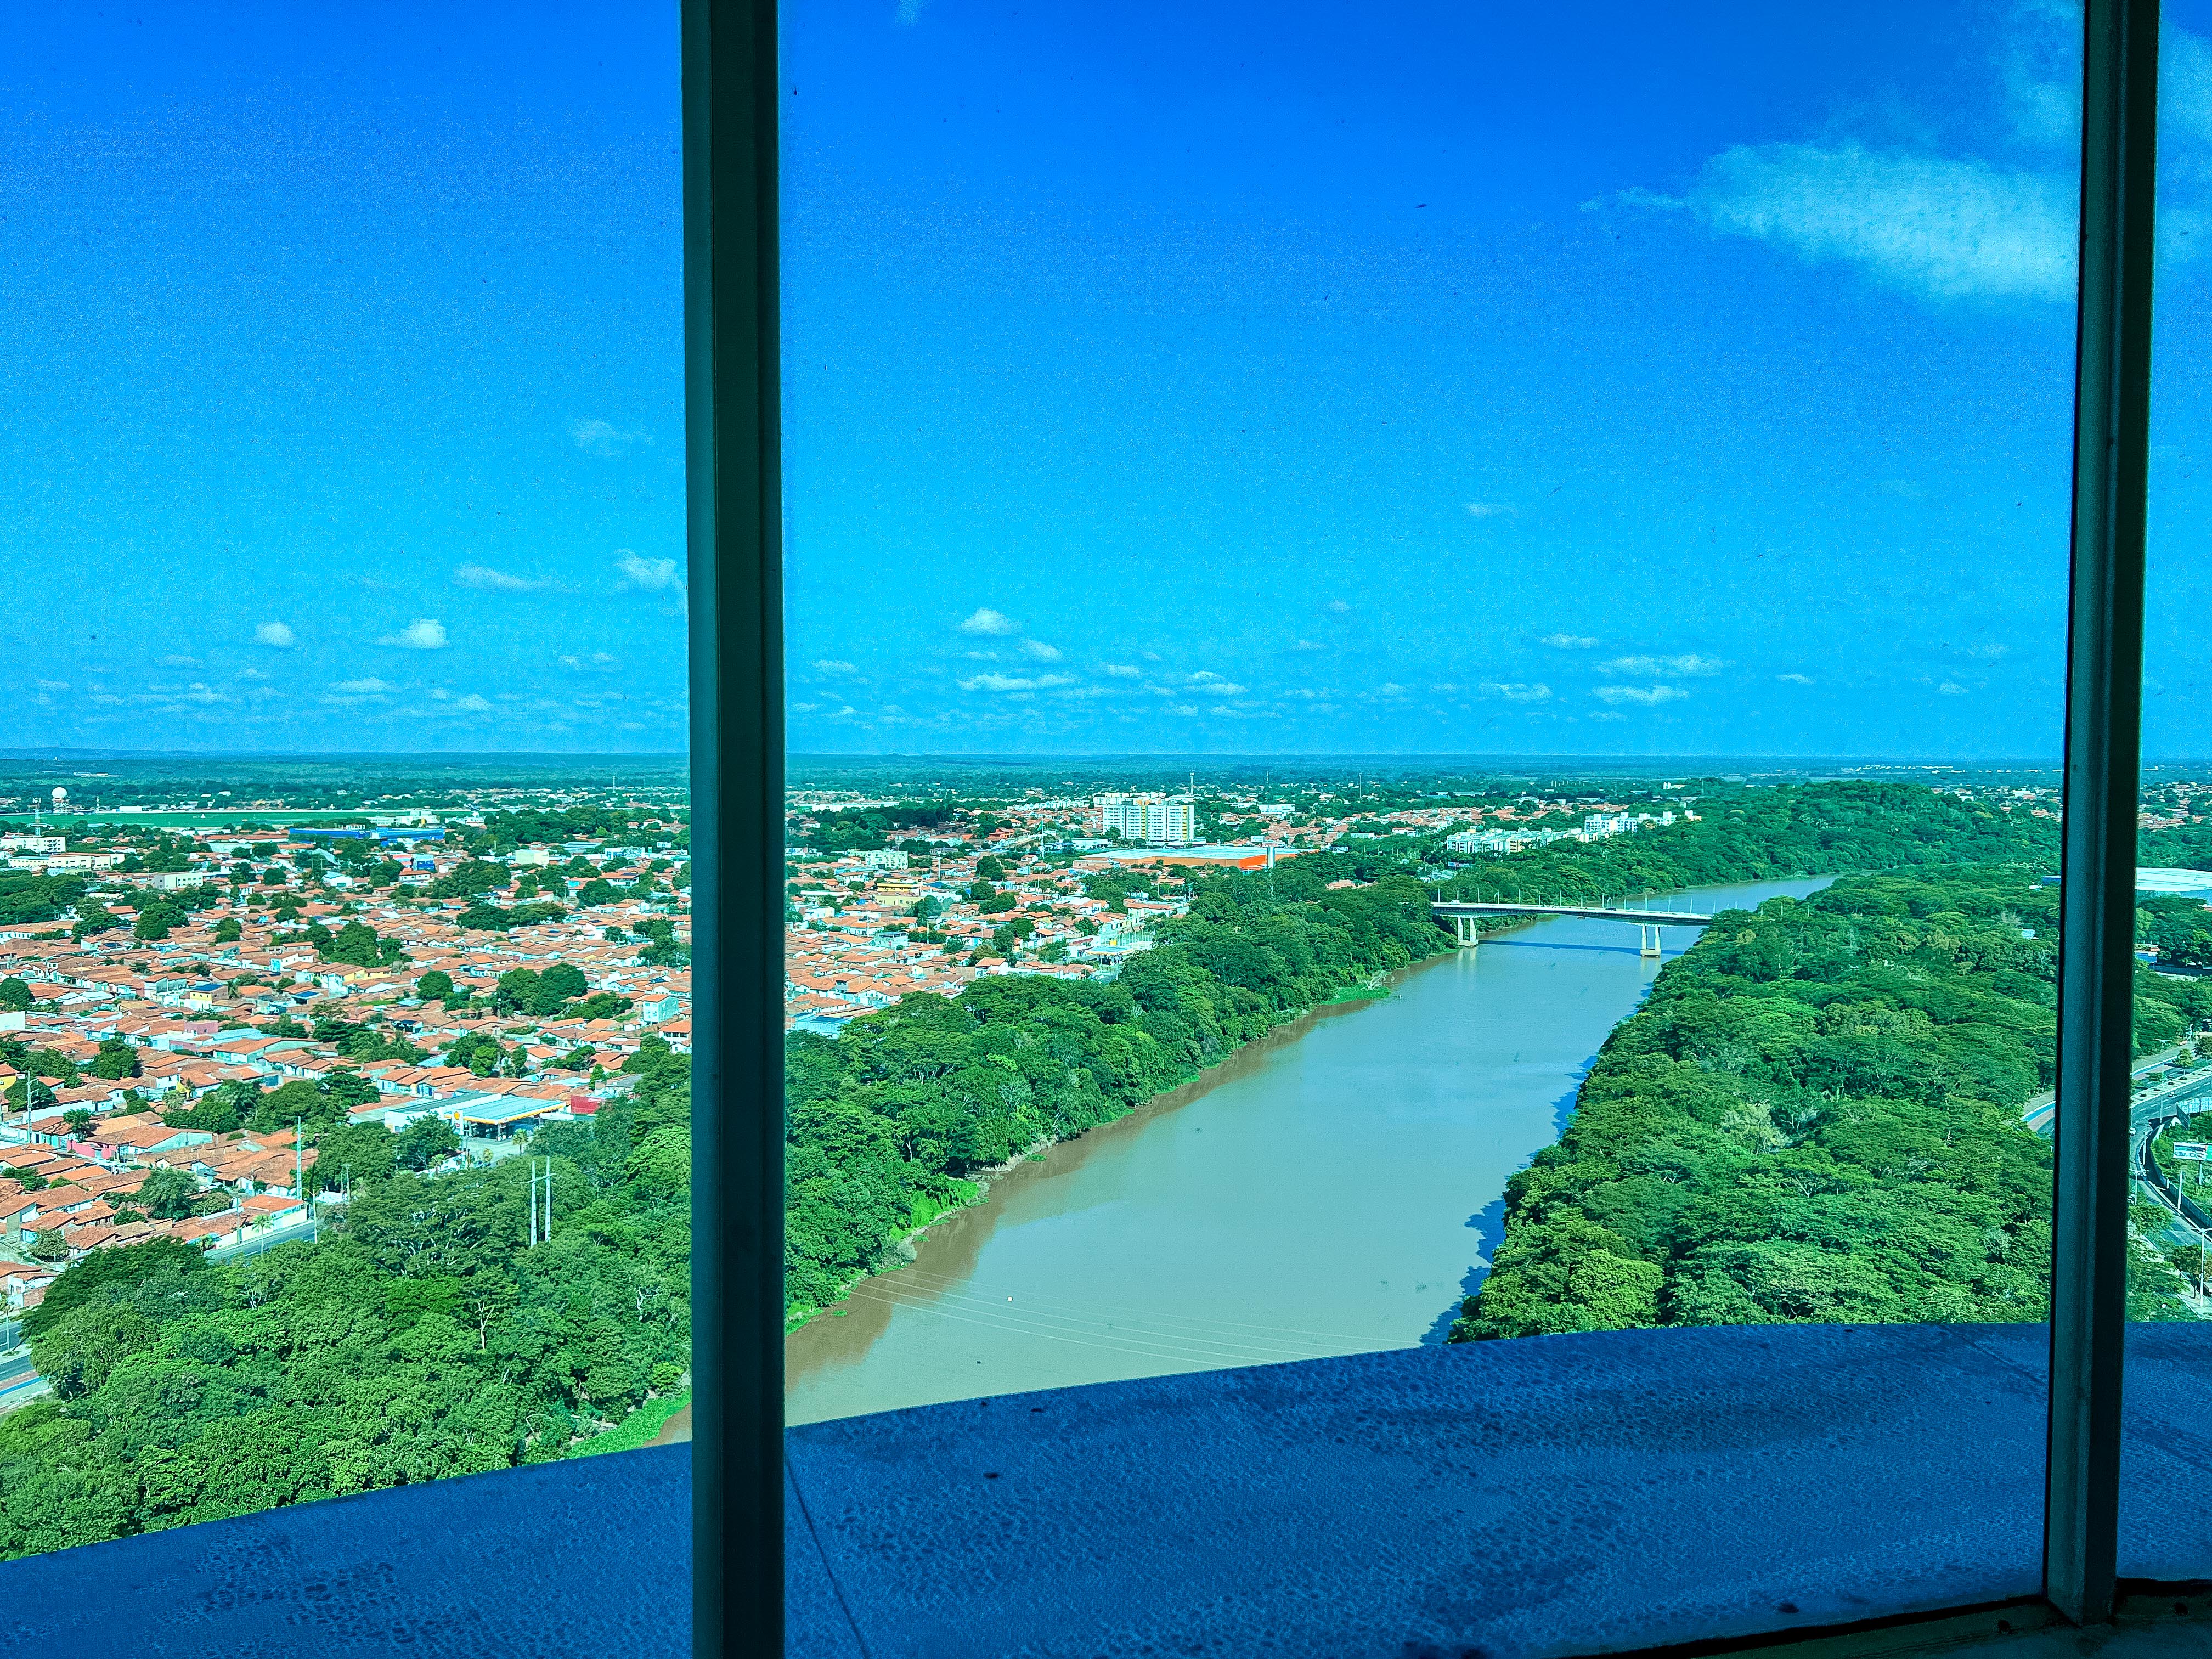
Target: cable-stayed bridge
(1463, 914)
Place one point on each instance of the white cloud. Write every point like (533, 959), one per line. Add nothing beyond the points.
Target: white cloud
(909, 11)
(1689, 664)
(177, 662)
(1943, 227)
(987, 621)
(51, 685)
(1310, 695)
(1220, 687)
(368, 688)
(1515, 691)
(1038, 651)
(278, 633)
(485, 577)
(1608, 715)
(651, 574)
(474, 704)
(1657, 694)
(1795, 679)
(1309, 645)
(1121, 670)
(1952, 688)
(1015, 683)
(1339, 606)
(599, 660)
(1989, 653)
(1569, 641)
(423, 634)
(832, 665)
(599, 438)
(1491, 510)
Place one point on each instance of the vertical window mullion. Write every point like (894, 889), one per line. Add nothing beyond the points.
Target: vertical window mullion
(731, 344)
(2104, 698)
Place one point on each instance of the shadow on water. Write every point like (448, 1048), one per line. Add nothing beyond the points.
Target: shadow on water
(1489, 1226)
(1563, 1109)
(1489, 1221)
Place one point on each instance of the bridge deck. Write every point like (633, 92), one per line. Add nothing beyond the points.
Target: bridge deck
(1596, 912)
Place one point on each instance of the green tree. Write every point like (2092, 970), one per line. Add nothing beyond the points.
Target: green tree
(171, 1194)
(434, 985)
(354, 943)
(116, 1059)
(15, 995)
(359, 1154)
(426, 1141)
(94, 917)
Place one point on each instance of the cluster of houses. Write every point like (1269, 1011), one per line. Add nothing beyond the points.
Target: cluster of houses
(114, 1032)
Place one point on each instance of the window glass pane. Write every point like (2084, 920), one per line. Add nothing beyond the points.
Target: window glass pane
(2170, 1210)
(1252, 479)
(345, 873)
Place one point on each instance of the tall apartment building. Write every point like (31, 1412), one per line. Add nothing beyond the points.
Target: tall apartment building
(1157, 820)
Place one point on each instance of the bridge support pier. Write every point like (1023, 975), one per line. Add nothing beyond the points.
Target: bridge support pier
(1468, 935)
(1651, 947)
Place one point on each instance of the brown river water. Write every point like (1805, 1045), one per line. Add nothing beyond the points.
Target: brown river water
(1334, 1187)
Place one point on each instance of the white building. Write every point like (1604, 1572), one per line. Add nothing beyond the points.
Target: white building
(886, 858)
(1157, 820)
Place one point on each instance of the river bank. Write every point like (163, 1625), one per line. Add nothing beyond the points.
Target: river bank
(982, 1181)
(1310, 1194)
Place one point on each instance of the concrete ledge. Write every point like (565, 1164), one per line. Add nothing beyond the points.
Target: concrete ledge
(1557, 1495)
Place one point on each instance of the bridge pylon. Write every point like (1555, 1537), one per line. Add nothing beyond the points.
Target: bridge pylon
(1650, 945)
(1465, 929)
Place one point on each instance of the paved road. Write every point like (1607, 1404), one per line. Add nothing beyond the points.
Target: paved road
(259, 1242)
(18, 1381)
(2037, 1113)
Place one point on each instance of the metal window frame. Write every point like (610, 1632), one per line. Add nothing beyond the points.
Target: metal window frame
(733, 420)
(731, 108)
(2103, 758)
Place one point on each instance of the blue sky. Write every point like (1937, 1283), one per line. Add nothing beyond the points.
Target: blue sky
(345, 385)
(1617, 380)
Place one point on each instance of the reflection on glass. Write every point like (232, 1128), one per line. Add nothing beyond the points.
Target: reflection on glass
(2170, 1205)
(343, 935)
(1343, 492)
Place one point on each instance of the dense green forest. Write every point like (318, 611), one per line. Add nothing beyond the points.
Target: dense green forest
(422, 1337)
(1815, 1115)
(888, 1122)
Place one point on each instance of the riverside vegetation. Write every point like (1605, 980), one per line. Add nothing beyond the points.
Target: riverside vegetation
(1816, 1116)
(890, 1122)
(421, 1338)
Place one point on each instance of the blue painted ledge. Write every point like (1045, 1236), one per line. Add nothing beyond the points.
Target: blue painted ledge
(1555, 1496)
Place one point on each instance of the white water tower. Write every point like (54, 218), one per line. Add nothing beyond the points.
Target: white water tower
(60, 795)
